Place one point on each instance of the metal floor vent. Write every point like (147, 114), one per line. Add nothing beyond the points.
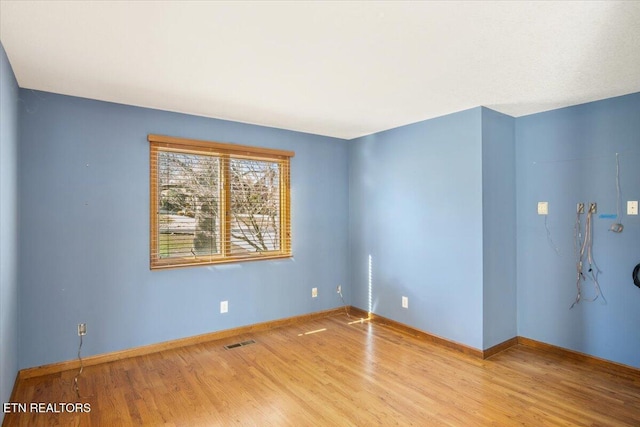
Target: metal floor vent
(239, 344)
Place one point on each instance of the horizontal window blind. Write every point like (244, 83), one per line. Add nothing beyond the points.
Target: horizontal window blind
(214, 202)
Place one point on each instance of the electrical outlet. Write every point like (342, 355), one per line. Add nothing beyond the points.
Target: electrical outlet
(593, 207)
(405, 302)
(224, 306)
(632, 207)
(82, 329)
(314, 292)
(580, 208)
(543, 208)
(339, 289)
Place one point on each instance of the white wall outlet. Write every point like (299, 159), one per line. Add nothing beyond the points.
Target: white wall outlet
(339, 289)
(224, 306)
(593, 208)
(314, 292)
(82, 329)
(632, 207)
(405, 302)
(543, 208)
(580, 208)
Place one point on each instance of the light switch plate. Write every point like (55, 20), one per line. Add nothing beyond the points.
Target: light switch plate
(543, 208)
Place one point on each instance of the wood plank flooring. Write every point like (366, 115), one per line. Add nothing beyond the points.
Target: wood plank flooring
(361, 374)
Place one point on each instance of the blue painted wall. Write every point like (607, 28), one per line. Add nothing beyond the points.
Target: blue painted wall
(416, 209)
(433, 204)
(84, 230)
(428, 213)
(8, 228)
(499, 228)
(565, 157)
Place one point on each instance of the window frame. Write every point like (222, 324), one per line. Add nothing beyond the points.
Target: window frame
(224, 152)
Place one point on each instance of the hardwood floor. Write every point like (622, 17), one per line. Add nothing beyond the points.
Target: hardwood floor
(327, 372)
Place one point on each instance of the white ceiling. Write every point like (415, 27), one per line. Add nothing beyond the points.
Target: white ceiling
(342, 69)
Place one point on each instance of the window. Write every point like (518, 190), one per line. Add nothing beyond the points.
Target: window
(214, 203)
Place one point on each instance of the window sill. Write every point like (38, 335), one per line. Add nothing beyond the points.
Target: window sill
(187, 262)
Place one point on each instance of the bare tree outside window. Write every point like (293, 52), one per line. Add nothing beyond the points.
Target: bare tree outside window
(255, 205)
(189, 204)
(216, 207)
